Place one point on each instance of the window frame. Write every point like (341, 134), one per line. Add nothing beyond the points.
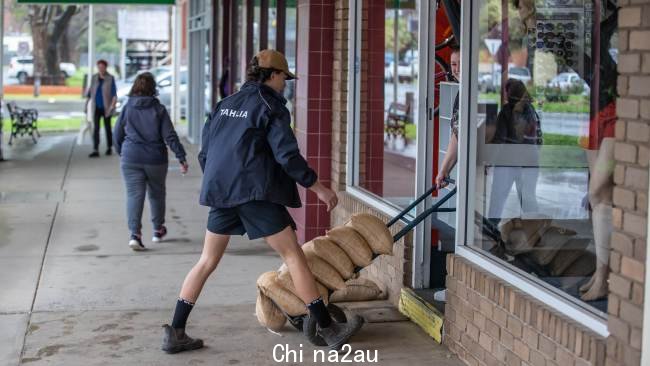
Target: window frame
(423, 172)
(552, 297)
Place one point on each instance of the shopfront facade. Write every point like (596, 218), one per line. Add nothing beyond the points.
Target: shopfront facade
(544, 257)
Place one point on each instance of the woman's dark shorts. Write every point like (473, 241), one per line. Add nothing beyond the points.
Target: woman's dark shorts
(258, 219)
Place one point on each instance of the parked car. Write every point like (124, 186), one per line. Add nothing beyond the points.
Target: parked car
(406, 71)
(22, 67)
(165, 90)
(129, 80)
(568, 82)
(491, 82)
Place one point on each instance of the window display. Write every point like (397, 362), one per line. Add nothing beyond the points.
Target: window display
(544, 174)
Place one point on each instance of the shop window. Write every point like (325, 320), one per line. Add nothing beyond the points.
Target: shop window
(386, 148)
(256, 25)
(544, 142)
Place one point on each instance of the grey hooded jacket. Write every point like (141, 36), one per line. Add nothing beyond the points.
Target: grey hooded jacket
(144, 130)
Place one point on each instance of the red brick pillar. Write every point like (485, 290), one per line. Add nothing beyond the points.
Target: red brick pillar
(371, 159)
(313, 120)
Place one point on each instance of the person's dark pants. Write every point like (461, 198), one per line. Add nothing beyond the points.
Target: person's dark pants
(140, 179)
(99, 113)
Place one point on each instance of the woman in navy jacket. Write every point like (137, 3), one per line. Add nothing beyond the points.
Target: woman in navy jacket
(251, 164)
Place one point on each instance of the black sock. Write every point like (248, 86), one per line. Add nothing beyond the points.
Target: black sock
(317, 308)
(182, 312)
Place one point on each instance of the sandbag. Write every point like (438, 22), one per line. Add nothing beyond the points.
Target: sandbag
(521, 236)
(359, 289)
(285, 280)
(553, 239)
(268, 314)
(283, 298)
(323, 272)
(374, 230)
(331, 253)
(353, 244)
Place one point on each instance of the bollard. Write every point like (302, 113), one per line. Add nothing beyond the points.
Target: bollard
(37, 85)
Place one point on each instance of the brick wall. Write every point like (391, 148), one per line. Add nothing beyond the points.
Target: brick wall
(390, 272)
(629, 239)
(488, 322)
(340, 95)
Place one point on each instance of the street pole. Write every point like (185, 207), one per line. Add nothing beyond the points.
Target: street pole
(123, 60)
(2, 67)
(395, 51)
(176, 63)
(2, 49)
(91, 42)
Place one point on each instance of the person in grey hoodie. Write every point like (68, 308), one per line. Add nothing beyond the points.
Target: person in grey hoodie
(142, 134)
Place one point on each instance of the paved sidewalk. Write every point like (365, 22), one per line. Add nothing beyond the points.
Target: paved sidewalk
(74, 294)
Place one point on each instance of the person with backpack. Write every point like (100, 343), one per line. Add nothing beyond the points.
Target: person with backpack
(251, 164)
(142, 134)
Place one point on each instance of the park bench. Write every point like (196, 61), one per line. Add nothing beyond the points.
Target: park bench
(23, 122)
(399, 115)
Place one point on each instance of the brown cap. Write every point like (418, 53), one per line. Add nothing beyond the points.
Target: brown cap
(272, 59)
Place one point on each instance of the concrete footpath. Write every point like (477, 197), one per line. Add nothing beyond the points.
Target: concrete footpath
(73, 293)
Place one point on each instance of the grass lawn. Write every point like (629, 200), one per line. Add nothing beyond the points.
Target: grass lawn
(549, 138)
(59, 125)
(49, 125)
(576, 103)
(49, 97)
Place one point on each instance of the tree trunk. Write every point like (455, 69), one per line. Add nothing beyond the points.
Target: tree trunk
(49, 23)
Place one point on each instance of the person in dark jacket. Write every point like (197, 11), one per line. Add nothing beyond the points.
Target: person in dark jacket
(142, 134)
(251, 164)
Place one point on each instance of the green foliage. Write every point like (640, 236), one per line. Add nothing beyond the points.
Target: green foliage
(490, 23)
(405, 39)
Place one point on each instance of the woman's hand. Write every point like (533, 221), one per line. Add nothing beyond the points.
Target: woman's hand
(184, 167)
(325, 195)
(440, 179)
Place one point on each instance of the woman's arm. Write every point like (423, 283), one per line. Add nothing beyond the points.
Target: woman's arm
(171, 138)
(451, 157)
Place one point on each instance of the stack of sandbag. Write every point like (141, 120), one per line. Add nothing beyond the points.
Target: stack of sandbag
(556, 249)
(334, 260)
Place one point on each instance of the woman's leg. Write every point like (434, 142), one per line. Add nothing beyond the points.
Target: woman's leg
(175, 338)
(285, 243)
(156, 177)
(213, 249)
(334, 334)
(135, 182)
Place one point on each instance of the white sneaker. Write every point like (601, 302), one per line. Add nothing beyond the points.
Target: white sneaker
(440, 296)
(158, 235)
(135, 243)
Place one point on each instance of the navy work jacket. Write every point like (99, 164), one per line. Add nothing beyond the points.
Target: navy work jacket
(249, 151)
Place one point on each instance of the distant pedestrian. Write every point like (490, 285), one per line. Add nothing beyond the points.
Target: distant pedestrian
(102, 97)
(142, 133)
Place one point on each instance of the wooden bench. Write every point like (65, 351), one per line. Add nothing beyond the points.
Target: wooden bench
(399, 115)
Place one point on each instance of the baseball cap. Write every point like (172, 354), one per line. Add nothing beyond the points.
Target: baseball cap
(272, 59)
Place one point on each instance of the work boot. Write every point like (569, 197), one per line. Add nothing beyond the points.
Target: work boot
(176, 340)
(338, 334)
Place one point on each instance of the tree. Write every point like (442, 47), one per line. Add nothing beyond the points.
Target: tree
(49, 23)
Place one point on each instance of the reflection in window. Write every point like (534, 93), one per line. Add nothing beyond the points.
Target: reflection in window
(389, 81)
(545, 142)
